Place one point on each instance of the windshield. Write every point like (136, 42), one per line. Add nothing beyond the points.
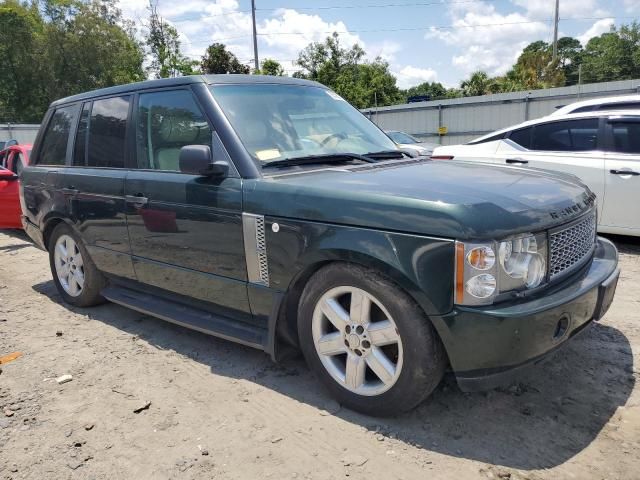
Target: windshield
(401, 137)
(278, 121)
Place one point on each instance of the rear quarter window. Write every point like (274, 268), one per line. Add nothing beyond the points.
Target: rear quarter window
(522, 137)
(53, 150)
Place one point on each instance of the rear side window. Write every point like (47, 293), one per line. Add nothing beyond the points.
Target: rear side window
(53, 150)
(522, 137)
(566, 136)
(166, 122)
(107, 132)
(626, 137)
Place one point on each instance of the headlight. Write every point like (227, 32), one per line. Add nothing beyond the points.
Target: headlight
(486, 270)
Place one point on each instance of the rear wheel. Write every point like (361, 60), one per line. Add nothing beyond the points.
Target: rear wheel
(76, 277)
(368, 341)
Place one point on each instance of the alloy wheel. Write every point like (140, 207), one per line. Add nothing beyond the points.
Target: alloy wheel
(69, 265)
(357, 340)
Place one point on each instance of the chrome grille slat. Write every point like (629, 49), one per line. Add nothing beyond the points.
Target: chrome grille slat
(570, 246)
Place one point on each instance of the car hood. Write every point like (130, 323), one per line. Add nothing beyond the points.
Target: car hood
(438, 198)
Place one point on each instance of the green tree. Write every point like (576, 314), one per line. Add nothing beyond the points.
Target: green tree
(56, 48)
(217, 59)
(570, 53)
(362, 83)
(432, 89)
(163, 41)
(271, 67)
(477, 84)
(614, 55)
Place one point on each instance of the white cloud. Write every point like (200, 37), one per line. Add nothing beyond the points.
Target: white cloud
(488, 40)
(410, 76)
(598, 28)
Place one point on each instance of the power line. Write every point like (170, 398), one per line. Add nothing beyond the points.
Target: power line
(374, 5)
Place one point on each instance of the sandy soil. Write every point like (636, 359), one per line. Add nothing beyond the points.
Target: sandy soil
(220, 410)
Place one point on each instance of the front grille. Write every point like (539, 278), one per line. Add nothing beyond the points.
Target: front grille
(568, 247)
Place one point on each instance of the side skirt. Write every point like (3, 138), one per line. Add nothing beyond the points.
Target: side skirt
(189, 317)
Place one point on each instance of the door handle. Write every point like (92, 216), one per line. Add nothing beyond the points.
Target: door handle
(70, 191)
(137, 200)
(517, 160)
(624, 172)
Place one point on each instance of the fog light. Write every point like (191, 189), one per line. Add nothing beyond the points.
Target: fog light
(481, 286)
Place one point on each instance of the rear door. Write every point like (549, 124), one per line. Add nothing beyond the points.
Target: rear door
(569, 146)
(621, 213)
(185, 230)
(94, 183)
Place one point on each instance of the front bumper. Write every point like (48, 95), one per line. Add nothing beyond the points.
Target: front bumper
(489, 346)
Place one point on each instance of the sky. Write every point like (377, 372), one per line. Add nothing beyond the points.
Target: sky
(423, 40)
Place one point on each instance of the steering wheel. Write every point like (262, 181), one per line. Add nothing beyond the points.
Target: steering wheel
(336, 136)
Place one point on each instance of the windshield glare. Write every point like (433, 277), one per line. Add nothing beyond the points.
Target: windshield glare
(278, 121)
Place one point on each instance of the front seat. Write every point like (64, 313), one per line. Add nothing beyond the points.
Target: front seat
(174, 133)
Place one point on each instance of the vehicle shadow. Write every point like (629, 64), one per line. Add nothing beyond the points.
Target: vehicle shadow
(556, 412)
(17, 235)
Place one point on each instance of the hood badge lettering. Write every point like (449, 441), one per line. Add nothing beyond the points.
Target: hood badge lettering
(587, 202)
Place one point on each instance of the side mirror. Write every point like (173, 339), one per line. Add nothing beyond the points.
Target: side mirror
(197, 160)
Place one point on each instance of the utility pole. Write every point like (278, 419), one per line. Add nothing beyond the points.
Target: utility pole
(255, 35)
(555, 30)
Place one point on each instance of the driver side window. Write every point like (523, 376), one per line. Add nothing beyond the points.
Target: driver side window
(166, 122)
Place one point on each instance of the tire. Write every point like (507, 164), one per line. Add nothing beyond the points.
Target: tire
(82, 284)
(385, 368)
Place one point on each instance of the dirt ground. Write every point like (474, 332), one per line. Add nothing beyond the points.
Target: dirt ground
(221, 410)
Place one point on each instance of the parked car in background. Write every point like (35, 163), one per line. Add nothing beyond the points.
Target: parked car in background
(622, 102)
(268, 211)
(15, 157)
(10, 212)
(601, 148)
(410, 143)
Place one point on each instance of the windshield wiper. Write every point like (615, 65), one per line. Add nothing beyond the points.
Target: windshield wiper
(322, 158)
(387, 154)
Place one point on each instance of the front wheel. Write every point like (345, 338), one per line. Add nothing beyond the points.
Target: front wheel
(368, 341)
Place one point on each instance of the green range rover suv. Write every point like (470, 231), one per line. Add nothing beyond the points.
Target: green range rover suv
(270, 212)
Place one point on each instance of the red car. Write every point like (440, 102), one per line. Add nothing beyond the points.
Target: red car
(10, 211)
(14, 158)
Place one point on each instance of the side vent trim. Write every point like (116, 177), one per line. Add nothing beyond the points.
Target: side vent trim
(255, 249)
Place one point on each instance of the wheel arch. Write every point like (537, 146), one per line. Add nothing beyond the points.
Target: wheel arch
(286, 323)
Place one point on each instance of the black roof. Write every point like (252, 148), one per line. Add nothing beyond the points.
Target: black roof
(188, 80)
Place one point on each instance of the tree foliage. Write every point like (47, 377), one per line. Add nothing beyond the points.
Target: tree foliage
(361, 82)
(57, 48)
(271, 67)
(217, 59)
(167, 59)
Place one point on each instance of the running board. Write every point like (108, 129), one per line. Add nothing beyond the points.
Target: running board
(188, 317)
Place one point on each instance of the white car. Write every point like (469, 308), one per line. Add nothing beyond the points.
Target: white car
(622, 102)
(601, 148)
(407, 142)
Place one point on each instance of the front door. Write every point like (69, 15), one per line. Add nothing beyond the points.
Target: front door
(621, 212)
(185, 230)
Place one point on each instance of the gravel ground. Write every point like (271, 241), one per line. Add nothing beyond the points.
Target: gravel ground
(213, 409)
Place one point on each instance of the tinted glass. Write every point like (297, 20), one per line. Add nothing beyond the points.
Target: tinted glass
(626, 137)
(107, 130)
(522, 137)
(54, 144)
(567, 136)
(168, 121)
(279, 121)
(80, 148)
(620, 106)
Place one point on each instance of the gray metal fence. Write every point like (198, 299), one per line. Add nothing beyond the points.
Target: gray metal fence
(470, 117)
(23, 133)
